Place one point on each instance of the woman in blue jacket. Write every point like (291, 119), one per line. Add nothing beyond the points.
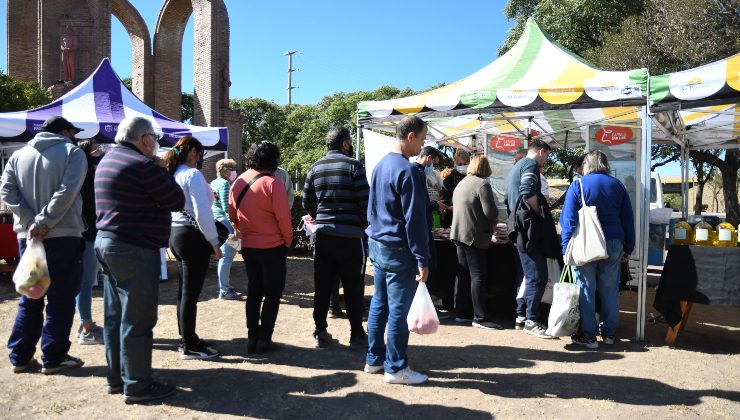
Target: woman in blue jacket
(612, 203)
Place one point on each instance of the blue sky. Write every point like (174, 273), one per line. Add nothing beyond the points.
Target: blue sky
(344, 45)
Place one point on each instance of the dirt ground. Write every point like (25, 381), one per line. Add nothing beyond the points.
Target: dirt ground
(473, 373)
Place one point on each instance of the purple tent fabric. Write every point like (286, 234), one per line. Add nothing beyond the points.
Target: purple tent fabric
(97, 105)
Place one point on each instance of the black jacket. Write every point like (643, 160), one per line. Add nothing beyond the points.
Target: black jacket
(530, 232)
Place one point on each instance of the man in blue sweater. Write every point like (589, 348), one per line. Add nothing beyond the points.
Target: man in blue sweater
(399, 249)
(524, 182)
(335, 196)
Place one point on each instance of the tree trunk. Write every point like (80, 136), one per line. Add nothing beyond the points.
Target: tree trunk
(699, 200)
(729, 188)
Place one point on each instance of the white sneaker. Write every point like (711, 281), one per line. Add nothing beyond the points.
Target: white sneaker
(406, 377)
(487, 325)
(372, 369)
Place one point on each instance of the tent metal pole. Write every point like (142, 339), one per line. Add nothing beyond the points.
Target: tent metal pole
(359, 136)
(643, 217)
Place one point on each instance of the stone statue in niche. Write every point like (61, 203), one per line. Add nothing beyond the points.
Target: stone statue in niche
(69, 44)
(225, 84)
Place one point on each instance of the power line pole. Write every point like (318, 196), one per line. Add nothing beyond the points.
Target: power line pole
(290, 76)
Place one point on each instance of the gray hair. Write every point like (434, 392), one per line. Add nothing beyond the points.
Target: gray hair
(132, 128)
(595, 161)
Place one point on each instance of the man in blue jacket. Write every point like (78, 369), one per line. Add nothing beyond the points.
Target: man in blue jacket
(399, 249)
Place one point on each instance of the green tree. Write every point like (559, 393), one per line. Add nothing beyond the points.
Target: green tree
(16, 95)
(579, 25)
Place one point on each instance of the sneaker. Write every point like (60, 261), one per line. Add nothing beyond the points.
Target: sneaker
(519, 323)
(406, 377)
(24, 367)
(322, 339)
(582, 340)
(372, 369)
(463, 320)
(536, 329)
(442, 315)
(95, 336)
(336, 313)
(358, 342)
(69, 362)
(608, 339)
(199, 351)
(114, 389)
(487, 325)
(155, 391)
(230, 295)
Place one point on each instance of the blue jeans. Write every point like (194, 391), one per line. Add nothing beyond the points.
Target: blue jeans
(395, 284)
(131, 297)
(224, 264)
(89, 275)
(534, 268)
(64, 258)
(600, 276)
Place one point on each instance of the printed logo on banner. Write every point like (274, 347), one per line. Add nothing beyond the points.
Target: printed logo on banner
(110, 128)
(613, 135)
(504, 143)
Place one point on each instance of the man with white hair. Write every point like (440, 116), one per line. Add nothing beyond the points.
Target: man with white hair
(134, 196)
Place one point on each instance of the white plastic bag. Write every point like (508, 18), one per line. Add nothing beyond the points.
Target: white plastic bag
(564, 314)
(422, 317)
(553, 276)
(31, 277)
(233, 242)
(587, 243)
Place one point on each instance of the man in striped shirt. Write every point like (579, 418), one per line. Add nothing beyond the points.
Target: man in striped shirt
(335, 196)
(134, 196)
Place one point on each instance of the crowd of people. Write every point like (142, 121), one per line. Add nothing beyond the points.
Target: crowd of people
(118, 209)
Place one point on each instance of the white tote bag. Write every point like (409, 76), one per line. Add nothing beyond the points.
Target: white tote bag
(553, 276)
(587, 243)
(564, 313)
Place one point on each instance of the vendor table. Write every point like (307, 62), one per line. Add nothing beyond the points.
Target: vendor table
(501, 272)
(696, 274)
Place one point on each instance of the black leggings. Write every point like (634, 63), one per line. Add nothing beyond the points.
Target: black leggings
(193, 253)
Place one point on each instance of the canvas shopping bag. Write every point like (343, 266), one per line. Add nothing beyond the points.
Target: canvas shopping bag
(564, 314)
(587, 243)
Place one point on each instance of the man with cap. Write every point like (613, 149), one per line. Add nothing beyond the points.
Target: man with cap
(41, 186)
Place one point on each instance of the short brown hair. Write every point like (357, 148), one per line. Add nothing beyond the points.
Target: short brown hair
(461, 154)
(479, 167)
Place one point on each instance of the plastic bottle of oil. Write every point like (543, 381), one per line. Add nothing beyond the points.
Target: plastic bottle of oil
(683, 234)
(703, 234)
(726, 235)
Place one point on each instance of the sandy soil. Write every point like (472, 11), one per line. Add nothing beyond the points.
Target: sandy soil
(474, 373)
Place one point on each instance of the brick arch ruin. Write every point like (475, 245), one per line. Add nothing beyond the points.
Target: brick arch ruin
(141, 48)
(210, 58)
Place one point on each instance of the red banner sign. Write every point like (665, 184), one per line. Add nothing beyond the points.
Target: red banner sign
(613, 136)
(504, 144)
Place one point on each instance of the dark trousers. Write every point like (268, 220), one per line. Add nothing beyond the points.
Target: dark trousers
(472, 273)
(534, 268)
(64, 258)
(266, 270)
(343, 258)
(193, 253)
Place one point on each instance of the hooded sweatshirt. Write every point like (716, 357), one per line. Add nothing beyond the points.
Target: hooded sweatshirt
(41, 184)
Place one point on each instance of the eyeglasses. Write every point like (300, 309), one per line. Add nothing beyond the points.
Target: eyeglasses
(156, 136)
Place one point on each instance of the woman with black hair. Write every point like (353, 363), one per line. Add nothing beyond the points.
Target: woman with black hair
(193, 240)
(259, 212)
(88, 332)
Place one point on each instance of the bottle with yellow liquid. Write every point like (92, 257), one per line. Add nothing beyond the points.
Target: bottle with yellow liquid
(703, 234)
(726, 235)
(683, 234)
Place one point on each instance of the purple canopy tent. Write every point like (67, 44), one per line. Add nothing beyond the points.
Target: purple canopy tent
(97, 105)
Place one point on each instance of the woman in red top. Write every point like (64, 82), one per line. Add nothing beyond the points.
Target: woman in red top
(259, 212)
